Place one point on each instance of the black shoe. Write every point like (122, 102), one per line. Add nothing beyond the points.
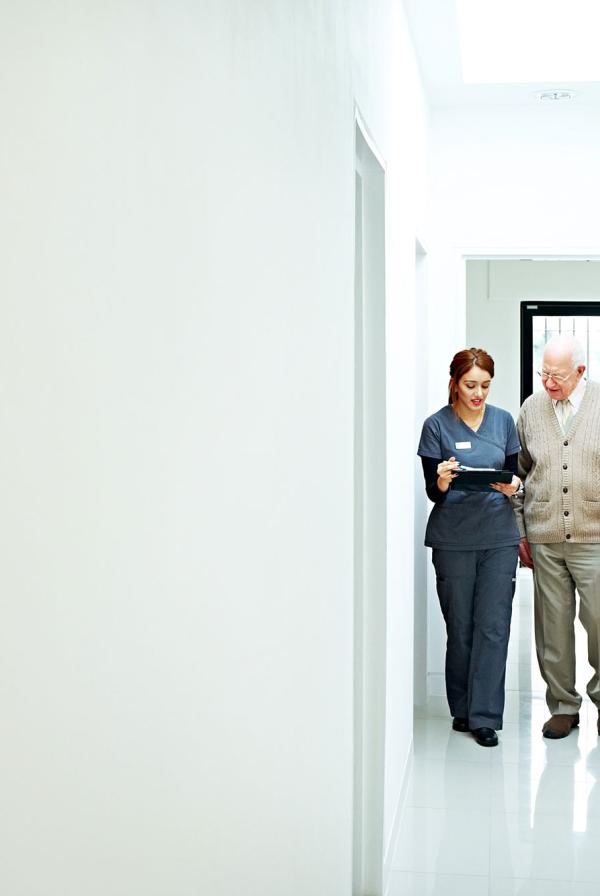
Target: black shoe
(459, 724)
(485, 737)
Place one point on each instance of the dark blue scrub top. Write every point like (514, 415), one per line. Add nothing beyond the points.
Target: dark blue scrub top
(467, 520)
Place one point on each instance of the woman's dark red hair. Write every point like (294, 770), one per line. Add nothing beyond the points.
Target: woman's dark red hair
(464, 361)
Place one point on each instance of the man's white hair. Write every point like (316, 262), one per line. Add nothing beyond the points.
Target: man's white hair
(566, 342)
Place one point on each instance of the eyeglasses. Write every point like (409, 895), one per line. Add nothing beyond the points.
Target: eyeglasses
(554, 376)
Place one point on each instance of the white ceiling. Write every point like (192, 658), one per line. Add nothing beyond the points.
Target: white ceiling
(434, 28)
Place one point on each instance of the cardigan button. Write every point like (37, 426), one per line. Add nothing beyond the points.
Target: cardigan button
(565, 467)
(565, 490)
(566, 512)
(568, 536)
(565, 443)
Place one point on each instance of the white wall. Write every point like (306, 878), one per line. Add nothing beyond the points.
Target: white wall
(495, 290)
(509, 181)
(519, 179)
(177, 404)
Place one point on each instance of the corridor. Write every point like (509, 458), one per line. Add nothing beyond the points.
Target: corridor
(522, 818)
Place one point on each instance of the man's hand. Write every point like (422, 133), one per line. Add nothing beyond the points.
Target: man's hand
(525, 553)
(507, 488)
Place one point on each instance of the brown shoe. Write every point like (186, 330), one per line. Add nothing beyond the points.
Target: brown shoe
(560, 725)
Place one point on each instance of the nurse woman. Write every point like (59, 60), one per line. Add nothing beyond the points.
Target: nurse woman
(474, 537)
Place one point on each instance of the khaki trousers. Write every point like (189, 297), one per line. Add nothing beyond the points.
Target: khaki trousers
(559, 570)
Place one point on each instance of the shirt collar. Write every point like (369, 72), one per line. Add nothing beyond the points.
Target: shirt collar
(576, 396)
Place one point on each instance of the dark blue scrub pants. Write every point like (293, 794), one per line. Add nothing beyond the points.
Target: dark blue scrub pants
(476, 590)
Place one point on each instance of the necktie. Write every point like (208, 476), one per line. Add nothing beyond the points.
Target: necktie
(565, 412)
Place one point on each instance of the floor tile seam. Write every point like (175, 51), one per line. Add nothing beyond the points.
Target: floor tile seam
(456, 874)
(443, 874)
(431, 718)
(575, 850)
(552, 814)
(455, 769)
(496, 878)
(512, 766)
(468, 760)
(554, 879)
(447, 808)
(562, 765)
(480, 762)
(456, 753)
(460, 785)
(547, 880)
(468, 809)
(518, 814)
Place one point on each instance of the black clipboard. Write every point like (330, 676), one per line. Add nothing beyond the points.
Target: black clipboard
(480, 479)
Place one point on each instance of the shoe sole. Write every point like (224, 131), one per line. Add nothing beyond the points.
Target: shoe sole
(487, 743)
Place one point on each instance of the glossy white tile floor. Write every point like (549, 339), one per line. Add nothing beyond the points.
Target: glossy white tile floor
(520, 818)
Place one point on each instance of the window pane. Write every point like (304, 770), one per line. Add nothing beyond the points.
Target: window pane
(585, 329)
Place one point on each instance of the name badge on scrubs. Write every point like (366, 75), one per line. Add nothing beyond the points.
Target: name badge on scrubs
(462, 445)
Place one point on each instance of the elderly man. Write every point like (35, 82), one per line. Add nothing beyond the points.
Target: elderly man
(558, 512)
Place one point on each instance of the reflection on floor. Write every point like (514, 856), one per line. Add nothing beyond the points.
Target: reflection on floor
(521, 818)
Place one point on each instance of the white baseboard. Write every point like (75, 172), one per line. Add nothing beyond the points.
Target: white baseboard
(391, 846)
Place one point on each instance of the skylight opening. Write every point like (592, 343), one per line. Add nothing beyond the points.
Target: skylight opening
(529, 41)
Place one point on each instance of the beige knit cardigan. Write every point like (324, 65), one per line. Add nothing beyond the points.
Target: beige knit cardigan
(560, 473)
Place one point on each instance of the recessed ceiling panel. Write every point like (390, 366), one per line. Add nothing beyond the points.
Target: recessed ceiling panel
(529, 41)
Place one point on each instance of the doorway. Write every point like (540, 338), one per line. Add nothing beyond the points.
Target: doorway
(420, 505)
(370, 529)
